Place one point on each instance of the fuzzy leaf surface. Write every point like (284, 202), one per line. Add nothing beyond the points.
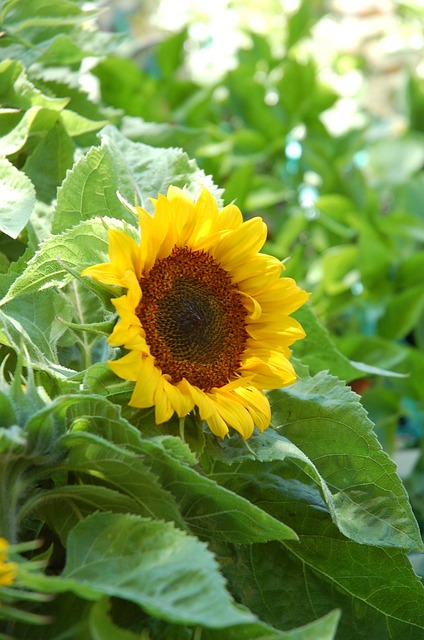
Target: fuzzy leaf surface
(326, 421)
(169, 574)
(135, 170)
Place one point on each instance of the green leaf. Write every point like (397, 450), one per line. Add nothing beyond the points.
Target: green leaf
(64, 507)
(16, 90)
(319, 352)
(121, 470)
(296, 88)
(79, 247)
(340, 268)
(207, 509)
(34, 321)
(35, 123)
(138, 172)
(161, 134)
(211, 510)
(402, 313)
(170, 575)
(322, 629)
(394, 161)
(376, 589)
(327, 422)
(76, 124)
(102, 627)
(49, 162)
(17, 199)
(170, 54)
(300, 22)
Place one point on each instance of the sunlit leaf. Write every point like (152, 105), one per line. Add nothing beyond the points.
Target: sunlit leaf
(17, 199)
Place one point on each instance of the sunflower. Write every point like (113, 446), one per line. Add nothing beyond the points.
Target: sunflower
(205, 317)
(8, 570)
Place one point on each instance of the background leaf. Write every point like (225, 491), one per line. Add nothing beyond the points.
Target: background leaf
(17, 199)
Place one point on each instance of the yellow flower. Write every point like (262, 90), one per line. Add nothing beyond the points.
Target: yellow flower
(206, 318)
(8, 570)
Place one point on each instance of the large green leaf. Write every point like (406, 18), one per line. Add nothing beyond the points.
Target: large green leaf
(208, 509)
(82, 246)
(376, 588)
(35, 122)
(18, 91)
(319, 352)
(48, 163)
(34, 320)
(121, 470)
(103, 628)
(169, 574)
(17, 199)
(402, 313)
(327, 422)
(211, 510)
(322, 629)
(138, 172)
(377, 591)
(115, 451)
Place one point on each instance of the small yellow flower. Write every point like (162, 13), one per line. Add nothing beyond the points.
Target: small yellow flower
(206, 318)
(8, 570)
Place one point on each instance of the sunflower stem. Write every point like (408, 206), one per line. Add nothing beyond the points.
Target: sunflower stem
(182, 428)
(197, 635)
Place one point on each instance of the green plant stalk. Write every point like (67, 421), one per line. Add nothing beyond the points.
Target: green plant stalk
(12, 488)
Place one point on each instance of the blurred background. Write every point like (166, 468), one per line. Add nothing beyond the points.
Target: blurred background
(310, 114)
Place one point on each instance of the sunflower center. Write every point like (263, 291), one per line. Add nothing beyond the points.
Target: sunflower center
(194, 318)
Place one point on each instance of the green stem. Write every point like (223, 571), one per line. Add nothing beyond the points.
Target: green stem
(12, 487)
(182, 425)
(197, 634)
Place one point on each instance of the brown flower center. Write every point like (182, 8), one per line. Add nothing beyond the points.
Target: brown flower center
(194, 318)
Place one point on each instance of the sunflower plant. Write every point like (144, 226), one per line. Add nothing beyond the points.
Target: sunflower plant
(176, 432)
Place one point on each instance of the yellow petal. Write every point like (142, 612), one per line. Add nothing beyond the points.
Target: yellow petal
(217, 425)
(257, 405)
(272, 370)
(199, 398)
(230, 217)
(124, 252)
(181, 402)
(257, 273)
(235, 415)
(128, 367)
(105, 272)
(283, 297)
(163, 407)
(253, 307)
(283, 332)
(238, 245)
(148, 381)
